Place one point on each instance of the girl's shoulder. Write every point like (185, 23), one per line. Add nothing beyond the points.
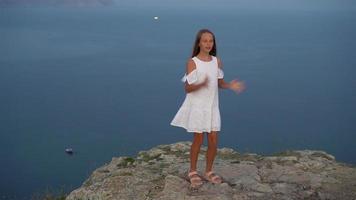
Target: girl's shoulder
(218, 60)
(190, 65)
(191, 61)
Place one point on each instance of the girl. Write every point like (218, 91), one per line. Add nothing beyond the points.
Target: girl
(199, 112)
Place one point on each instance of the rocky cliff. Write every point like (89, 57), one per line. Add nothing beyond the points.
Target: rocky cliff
(160, 173)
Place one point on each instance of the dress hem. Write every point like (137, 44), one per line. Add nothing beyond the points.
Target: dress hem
(195, 131)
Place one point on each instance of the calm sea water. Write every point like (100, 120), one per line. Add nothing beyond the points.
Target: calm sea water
(106, 82)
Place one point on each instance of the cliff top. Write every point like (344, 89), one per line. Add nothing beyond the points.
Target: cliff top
(161, 173)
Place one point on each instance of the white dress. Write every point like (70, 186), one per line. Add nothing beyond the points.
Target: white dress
(200, 109)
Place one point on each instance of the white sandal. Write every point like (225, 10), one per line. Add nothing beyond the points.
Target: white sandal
(195, 179)
(212, 177)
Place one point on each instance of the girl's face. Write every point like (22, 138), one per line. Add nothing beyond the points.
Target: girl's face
(206, 42)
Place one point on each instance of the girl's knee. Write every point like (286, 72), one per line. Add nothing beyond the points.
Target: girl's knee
(198, 138)
(212, 139)
(212, 136)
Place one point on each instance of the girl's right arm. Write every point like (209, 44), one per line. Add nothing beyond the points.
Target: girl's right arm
(193, 87)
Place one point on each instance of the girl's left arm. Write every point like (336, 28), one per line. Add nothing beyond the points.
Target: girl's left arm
(221, 83)
(235, 85)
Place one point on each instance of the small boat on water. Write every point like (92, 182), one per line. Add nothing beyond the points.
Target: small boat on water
(69, 151)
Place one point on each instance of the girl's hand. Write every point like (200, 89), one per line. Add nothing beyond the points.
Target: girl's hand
(205, 83)
(237, 86)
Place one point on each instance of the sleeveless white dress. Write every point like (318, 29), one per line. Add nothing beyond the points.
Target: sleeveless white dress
(200, 109)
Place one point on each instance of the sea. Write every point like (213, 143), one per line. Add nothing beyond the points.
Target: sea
(105, 81)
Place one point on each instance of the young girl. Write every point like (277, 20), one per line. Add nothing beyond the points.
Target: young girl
(199, 112)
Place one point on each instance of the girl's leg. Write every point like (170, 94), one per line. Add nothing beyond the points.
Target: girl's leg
(212, 148)
(194, 150)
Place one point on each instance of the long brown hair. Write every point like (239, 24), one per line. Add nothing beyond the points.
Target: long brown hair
(196, 48)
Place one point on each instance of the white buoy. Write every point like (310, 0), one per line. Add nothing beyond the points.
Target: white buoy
(156, 18)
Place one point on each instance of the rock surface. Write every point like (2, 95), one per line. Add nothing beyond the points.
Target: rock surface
(161, 173)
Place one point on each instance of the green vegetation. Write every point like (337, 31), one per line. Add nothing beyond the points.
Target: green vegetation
(126, 162)
(146, 157)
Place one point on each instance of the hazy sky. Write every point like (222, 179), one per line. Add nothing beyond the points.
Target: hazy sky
(205, 4)
(260, 4)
